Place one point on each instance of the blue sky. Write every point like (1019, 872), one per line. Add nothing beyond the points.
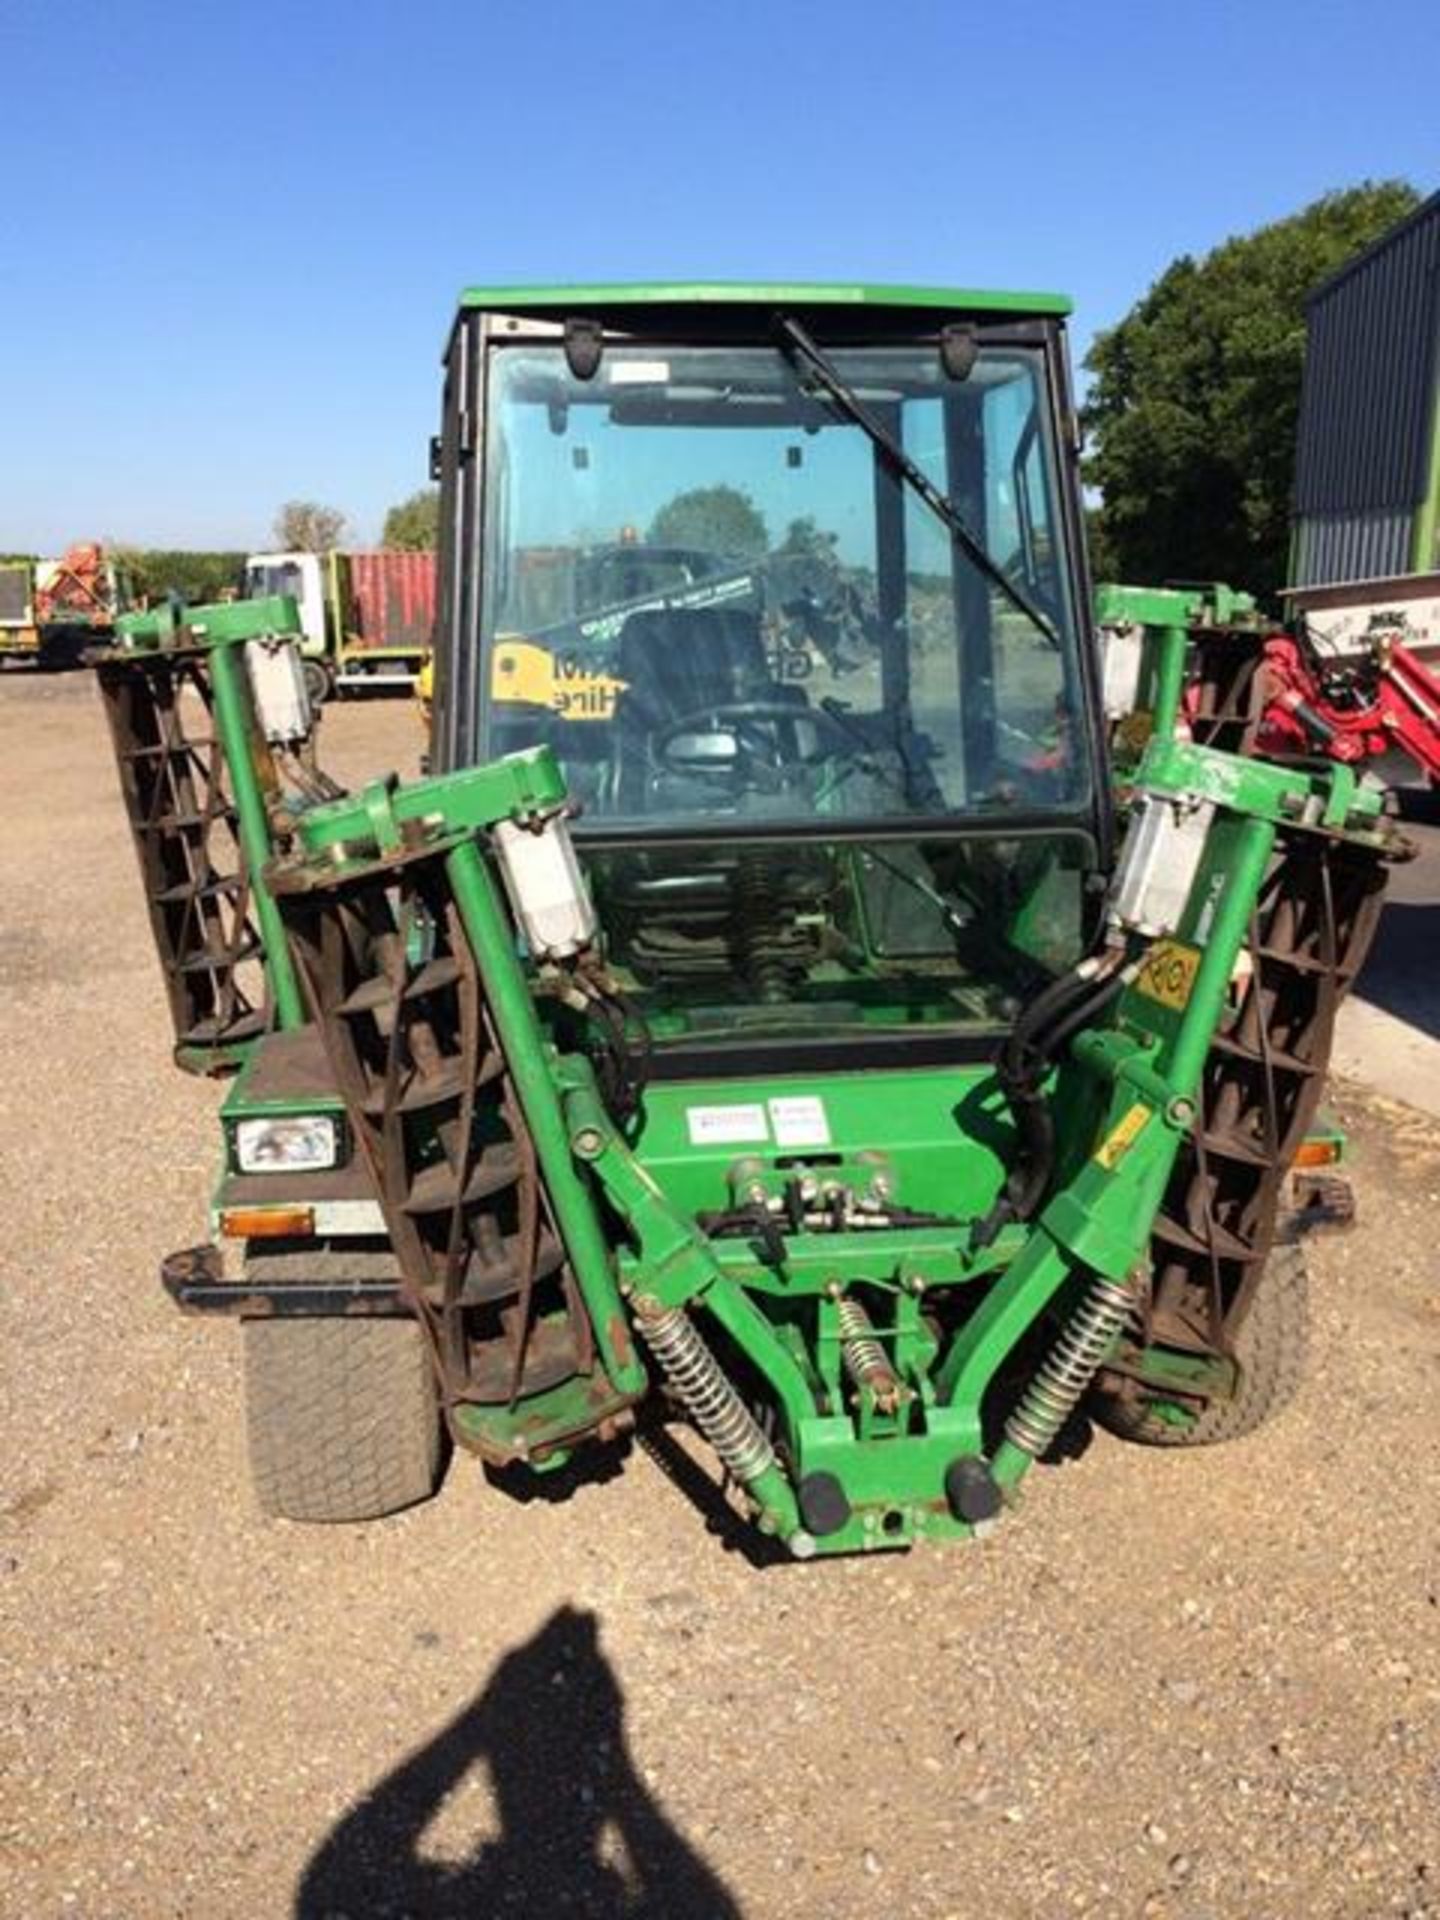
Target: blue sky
(231, 234)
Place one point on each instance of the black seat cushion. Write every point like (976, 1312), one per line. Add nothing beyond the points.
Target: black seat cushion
(678, 661)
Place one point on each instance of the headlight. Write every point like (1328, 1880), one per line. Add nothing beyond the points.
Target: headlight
(300, 1143)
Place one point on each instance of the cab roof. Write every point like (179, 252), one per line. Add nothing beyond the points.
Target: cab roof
(764, 293)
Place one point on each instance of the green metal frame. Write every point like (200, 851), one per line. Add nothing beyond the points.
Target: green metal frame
(1425, 554)
(387, 817)
(1131, 1089)
(801, 293)
(628, 1200)
(222, 632)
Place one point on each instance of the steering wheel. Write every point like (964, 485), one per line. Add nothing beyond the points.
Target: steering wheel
(736, 717)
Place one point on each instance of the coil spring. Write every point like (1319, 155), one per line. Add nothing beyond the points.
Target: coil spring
(760, 924)
(864, 1357)
(708, 1397)
(1070, 1366)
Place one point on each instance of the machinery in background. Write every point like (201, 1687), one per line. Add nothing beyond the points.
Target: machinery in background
(367, 618)
(1253, 687)
(52, 610)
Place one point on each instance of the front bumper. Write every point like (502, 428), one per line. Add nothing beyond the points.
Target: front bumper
(194, 1279)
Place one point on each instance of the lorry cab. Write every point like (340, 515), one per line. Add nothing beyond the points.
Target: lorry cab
(301, 578)
(367, 617)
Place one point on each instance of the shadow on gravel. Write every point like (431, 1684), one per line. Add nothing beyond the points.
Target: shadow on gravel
(1399, 974)
(579, 1832)
(593, 1466)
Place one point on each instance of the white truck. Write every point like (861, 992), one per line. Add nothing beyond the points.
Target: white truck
(367, 617)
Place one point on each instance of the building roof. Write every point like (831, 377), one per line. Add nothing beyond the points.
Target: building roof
(1392, 236)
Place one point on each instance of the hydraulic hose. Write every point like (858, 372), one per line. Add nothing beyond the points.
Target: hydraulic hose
(1042, 1028)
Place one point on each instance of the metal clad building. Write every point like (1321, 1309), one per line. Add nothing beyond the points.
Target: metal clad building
(1367, 472)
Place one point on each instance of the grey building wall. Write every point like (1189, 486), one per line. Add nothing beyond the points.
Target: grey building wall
(1367, 410)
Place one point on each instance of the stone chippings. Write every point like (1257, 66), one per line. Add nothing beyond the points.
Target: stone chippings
(1193, 1685)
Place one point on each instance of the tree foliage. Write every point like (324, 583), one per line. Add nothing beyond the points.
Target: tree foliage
(305, 526)
(198, 577)
(713, 519)
(1196, 397)
(806, 539)
(413, 525)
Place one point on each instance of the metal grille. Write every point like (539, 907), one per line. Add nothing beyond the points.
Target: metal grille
(14, 595)
(402, 1009)
(1332, 548)
(1312, 927)
(197, 886)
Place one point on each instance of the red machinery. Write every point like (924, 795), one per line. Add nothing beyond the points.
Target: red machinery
(77, 590)
(1273, 693)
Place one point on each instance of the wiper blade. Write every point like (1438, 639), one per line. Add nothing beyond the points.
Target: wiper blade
(913, 475)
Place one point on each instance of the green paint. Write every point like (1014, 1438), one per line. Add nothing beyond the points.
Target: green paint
(384, 812)
(512, 1010)
(222, 632)
(1425, 554)
(780, 293)
(243, 746)
(933, 1140)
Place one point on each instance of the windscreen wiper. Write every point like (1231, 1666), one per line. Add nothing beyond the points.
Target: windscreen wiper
(914, 476)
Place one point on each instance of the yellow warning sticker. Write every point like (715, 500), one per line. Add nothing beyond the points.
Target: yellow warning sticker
(1168, 973)
(522, 671)
(1122, 1136)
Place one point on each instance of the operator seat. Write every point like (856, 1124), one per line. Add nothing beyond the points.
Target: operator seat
(677, 662)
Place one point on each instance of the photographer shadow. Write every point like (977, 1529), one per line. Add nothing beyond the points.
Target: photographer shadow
(579, 1831)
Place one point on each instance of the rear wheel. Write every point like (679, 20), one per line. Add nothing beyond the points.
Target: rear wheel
(341, 1417)
(1270, 1350)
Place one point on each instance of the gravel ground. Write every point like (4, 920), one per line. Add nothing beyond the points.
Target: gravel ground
(1188, 1685)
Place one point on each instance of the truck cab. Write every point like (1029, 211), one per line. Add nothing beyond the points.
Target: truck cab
(300, 577)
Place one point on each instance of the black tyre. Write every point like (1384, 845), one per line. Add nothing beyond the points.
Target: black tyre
(1270, 1348)
(340, 1416)
(318, 684)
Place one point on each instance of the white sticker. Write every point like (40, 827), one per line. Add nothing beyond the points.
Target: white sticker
(799, 1121)
(638, 373)
(726, 1126)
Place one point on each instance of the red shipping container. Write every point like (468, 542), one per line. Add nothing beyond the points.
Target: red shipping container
(390, 600)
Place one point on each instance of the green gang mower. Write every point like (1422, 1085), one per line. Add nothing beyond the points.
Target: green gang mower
(770, 1008)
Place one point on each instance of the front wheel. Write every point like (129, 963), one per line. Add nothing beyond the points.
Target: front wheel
(341, 1417)
(1270, 1352)
(318, 684)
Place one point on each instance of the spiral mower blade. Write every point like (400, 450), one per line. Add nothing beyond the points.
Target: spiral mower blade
(197, 889)
(1312, 926)
(401, 1003)
(1228, 689)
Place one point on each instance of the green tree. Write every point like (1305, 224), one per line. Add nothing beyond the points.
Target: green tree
(199, 577)
(804, 538)
(1196, 395)
(1103, 564)
(713, 519)
(305, 526)
(413, 526)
